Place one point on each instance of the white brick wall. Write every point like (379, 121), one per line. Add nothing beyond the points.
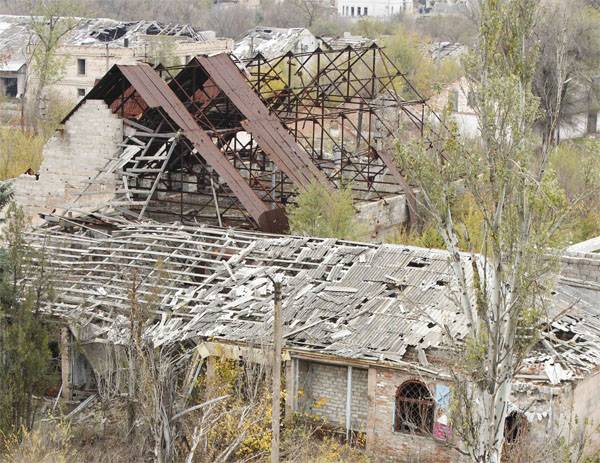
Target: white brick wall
(323, 393)
(70, 159)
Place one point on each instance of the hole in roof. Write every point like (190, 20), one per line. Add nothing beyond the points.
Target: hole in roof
(110, 33)
(417, 264)
(441, 282)
(564, 335)
(430, 325)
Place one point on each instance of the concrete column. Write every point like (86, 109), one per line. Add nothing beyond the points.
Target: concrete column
(348, 402)
(372, 408)
(211, 374)
(291, 386)
(65, 362)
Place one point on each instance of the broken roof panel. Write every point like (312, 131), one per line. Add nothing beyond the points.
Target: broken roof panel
(214, 285)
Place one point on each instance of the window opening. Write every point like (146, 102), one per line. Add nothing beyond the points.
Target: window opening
(81, 67)
(414, 409)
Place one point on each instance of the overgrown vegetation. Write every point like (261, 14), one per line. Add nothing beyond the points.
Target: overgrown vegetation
(24, 355)
(324, 213)
(516, 198)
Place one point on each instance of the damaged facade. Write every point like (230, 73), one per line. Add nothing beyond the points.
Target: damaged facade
(94, 46)
(368, 329)
(152, 159)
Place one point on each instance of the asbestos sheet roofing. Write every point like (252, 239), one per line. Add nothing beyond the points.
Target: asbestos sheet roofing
(347, 300)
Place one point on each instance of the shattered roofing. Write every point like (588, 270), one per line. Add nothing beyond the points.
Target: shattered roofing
(15, 33)
(350, 300)
(271, 42)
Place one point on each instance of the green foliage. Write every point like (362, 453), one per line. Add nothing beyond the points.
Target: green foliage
(50, 22)
(408, 51)
(53, 445)
(325, 214)
(24, 353)
(19, 151)
(576, 166)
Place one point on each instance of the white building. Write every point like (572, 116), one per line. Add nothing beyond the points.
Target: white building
(374, 8)
(93, 47)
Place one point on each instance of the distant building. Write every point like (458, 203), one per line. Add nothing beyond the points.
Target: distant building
(246, 3)
(457, 99)
(95, 46)
(275, 41)
(374, 8)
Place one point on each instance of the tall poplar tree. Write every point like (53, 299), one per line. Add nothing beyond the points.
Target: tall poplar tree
(502, 284)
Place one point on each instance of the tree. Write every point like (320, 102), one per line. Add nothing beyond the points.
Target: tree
(50, 22)
(24, 353)
(501, 283)
(319, 212)
(407, 50)
(568, 36)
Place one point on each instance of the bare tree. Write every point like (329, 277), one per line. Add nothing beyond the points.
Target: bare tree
(568, 36)
(50, 22)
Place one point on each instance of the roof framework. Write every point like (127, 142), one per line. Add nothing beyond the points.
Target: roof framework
(209, 143)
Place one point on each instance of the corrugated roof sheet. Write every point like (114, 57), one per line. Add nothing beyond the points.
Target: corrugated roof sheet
(350, 300)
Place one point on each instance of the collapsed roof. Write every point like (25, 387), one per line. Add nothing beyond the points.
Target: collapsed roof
(356, 301)
(15, 35)
(271, 42)
(233, 143)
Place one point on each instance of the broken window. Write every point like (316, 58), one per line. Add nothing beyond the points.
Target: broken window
(81, 92)
(414, 409)
(81, 67)
(9, 86)
(366, 11)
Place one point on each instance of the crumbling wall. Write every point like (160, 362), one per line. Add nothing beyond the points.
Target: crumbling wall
(381, 218)
(322, 392)
(586, 411)
(71, 158)
(581, 266)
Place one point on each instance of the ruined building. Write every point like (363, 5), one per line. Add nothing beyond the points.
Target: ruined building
(369, 330)
(191, 167)
(231, 143)
(93, 47)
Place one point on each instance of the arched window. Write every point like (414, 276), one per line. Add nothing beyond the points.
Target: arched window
(414, 409)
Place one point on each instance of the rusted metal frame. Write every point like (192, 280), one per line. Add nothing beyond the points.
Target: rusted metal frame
(252, 176)
(199, 158)
(298, 168)
(321, 73)
(368, 80)
(270, 75)
(311, 84)
(366, 140)
(344, 95)
(407, 81)
(338, 175)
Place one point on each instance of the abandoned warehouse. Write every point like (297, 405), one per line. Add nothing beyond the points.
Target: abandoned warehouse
(231, 143)
(368, 329)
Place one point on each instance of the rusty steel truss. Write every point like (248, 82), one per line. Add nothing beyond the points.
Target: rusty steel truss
(232, 143)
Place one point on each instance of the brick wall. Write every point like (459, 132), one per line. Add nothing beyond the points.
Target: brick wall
(70, 159)
(394, 446)
(382, 218)
(322, 392)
